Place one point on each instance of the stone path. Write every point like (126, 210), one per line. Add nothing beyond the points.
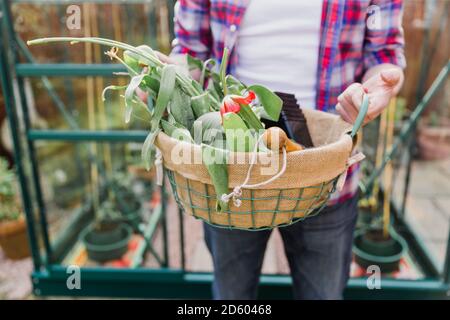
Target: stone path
(428, 204)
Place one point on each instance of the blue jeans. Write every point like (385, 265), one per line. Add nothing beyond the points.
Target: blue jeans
(318, 250)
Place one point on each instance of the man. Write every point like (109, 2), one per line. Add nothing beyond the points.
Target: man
(326, 54)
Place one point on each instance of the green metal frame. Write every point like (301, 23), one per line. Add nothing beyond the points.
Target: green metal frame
(49, 276)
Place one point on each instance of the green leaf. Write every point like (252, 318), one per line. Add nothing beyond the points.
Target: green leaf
(148, 149)
(166, 89)
(180, 108)
(270, 101)
(250, 118)
(208, 129)
(210, 120)
(239, 136)
(206, 70)
(200, 104)
(194, 63)
(132, 60)
(215, 161)
(197, 85)
(151, 82)
(114, 88)
(147, 50)
(182, 134)
(176, 131)
(138, 60)
(212, 91)
(234, 85)
(215, 84)
(223, 71)
(168, 127)
(137, 102)
(172, 120)
(129, 94)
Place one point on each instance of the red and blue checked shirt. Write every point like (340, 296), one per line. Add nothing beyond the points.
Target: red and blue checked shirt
(355, 35)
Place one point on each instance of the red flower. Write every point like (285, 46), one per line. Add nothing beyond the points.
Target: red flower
(232, 102)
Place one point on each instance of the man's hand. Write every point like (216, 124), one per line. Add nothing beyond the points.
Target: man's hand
(381, 85)
(165, 58)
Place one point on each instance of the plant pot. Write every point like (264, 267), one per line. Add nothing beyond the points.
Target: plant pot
(133, 218)
(371, 248)
(131, 212)
(13, 239)
(106, 245)
(433, 142)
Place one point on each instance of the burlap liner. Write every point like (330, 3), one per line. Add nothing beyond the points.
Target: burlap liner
(303, 187)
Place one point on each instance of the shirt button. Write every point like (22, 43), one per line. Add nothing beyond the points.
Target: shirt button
(233, 28)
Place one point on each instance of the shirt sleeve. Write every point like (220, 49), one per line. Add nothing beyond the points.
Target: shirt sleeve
(384, 40)
(192, 28)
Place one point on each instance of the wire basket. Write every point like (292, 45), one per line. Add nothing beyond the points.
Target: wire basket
(260, 209)
(303, 190)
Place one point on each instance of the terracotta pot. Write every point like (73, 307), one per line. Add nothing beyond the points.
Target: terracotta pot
(13, 239)
(433, 142)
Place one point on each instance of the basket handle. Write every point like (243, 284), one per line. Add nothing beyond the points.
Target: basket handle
(361, 115)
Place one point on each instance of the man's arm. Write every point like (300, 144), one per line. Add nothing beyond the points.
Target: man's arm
(383, 60)
(192, 28)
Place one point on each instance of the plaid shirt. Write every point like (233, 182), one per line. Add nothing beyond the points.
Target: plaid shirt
(355, 35)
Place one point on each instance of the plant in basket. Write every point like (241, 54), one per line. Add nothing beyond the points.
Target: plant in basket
(13, 230)
(218, 119)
